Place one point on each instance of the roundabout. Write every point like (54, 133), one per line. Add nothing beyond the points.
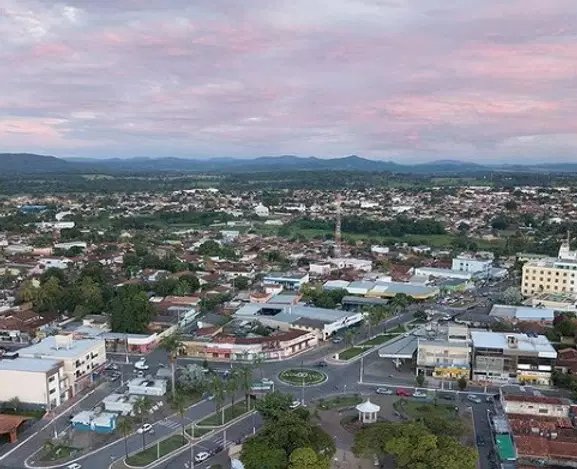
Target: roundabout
(302, 377)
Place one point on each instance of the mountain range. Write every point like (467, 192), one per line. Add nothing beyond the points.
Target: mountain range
(28, 163)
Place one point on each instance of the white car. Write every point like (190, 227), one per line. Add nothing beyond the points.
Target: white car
(141, 365)
(295, 404)
(474, 398)
(419, 394)
(202, 456)
(74, 465)
(144, 429)
(387, 391)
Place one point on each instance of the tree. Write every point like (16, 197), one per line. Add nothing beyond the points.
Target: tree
(178, 403)
(258, 454)
(241, 283)
(231, 388)
(217, 389)
(209, 248)
(172, 344)
(244, 375)
(349, 337)
(420, 379)
(50, 296)
(273, 405)
(307, 458)
(27, 292)
(15, 404)
(512, 296)
(192, 378)
(124, 426)
(130, 311)
(462, 383)
(142, 406)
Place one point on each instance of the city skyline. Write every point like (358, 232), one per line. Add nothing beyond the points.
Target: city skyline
(395, 80)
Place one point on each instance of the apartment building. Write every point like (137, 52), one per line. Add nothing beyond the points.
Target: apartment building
(82, 358)
(480, 268)
(447, 357)
(551, 275)
(34, 381)
(512, 358)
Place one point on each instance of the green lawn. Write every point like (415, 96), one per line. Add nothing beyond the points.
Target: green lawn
(57, 452)
(351, 353)
(340, 401)
(230, 413)
(418, 409)
(149, 455)
(378, 340)
(198, 431)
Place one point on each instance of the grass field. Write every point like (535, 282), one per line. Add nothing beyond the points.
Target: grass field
(149, 455)
(340, 401)
(378, 340)
(351, 353)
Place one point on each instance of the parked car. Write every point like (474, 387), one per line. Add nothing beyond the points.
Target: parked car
(337, 340)
(473, 398)
(402, 392)
(295, 404)
(74, 465)
(202, 456)
(387, 391)
(419, 394)
(321, 364)
(144, 429)
(141, 365)
(480, 441)
(140, 373)
(111, 366)
(446, 396)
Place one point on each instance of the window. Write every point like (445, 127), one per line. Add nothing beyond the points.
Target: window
(51, 379)
(543, 411)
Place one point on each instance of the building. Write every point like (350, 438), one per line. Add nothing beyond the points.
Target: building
(515, 314)
(34, 381)
(322, 321)
(512, 358)
(82, 359)
(147, 387)
(550, 275)
(478, 267)
(363, 265)
(94, 421)
(448, 357)
(120, 403)
(318, 268)
(536, 405)
(289, 281)
(437, 272)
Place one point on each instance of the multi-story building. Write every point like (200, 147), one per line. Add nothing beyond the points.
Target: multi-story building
(551, 275)
(512, 358)
(478, 267)
(82, 359)
(289, 281)
(445, 358)
(34, 381)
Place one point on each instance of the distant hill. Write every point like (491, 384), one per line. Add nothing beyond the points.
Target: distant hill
(25, 163)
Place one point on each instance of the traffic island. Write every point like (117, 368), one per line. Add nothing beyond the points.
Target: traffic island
(302, 377)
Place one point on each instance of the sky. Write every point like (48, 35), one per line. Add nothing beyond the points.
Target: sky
(402, 80)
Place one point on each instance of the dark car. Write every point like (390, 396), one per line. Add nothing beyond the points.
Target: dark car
(321, 364)
(480, 441)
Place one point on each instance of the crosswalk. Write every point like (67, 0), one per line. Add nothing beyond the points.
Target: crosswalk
(169, 423)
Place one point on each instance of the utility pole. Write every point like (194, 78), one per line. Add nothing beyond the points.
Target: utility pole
(303, 384)
(361, 370)
(192, 446)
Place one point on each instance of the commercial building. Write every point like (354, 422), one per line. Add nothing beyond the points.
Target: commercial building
(323, 322)
(82, 359)
(289, 281)
(34, 381)
(147, 387)
(515, 314)
(536, 405)
(383, 289)
(478, 267)
(512, 358)
(447, 357)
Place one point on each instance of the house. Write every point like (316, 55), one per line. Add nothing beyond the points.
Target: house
(120, 403)
(514, 314)
(147, 386)
(98, 422)
(289, 281)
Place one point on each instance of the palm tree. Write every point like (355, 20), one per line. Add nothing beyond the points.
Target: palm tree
(231, 388)
(245, 380)
(217, 389)
(172, 344)
(178, 403)
(374, 317)
(399, 302)
(257, 363)
(124, 426)
(349, 335)
(142, 406)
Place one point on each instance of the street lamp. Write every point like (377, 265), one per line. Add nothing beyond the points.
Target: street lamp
(192, 445)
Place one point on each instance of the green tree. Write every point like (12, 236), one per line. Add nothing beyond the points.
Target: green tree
(130, 311)
(142, 406)
(273, 405)
(178, 404)
(217, 389)
(172, 344)
(50, 296)
(241, 282)
(231, 385)
(307, 458)
(27, 292)
(462, 383)
(258, 454)
(244, 375)
(124, 426)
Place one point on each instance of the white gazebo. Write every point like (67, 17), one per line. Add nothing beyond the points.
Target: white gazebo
(368, 412)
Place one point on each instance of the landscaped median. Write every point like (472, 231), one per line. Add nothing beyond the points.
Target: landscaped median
(302, 377)
(362, 347)
(156, 451)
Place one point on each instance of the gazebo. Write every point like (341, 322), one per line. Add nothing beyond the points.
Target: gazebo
(368, 411)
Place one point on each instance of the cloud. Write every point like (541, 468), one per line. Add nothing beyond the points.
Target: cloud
(394, 79)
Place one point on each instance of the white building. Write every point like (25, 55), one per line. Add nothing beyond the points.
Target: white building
(147, 387)
(261, 211)
(34, 381)
(121, 403)
(442, 273)
(536, 405)
(351, 263)
(319, 269)
(290, 281)
(376, 249)
(81, 359)
(480, 268)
